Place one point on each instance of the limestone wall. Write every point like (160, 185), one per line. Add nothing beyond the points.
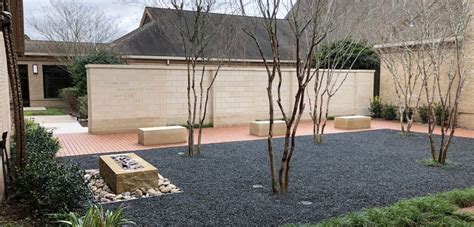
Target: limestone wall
(466, 106)
(123, 98)
(5, 118)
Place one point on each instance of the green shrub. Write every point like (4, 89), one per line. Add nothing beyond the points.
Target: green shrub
(376, 107)
(78, 68)
(424, 113)
(43, 183)
(439, 112)
(389, 112)
(69, 96)
(95, 217)
(40, 143)
(349, 54)
(83, 108)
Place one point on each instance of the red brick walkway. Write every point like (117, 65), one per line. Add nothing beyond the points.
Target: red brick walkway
(84, 143)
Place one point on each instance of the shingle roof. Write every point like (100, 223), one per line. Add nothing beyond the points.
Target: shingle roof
(374, 20)
(159, 37)
(50, 48)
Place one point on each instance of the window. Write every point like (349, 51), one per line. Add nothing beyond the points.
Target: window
(55, 78)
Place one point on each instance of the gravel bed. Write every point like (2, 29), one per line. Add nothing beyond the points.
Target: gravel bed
(349, 172)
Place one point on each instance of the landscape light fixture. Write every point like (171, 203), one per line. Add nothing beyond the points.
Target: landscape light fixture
(35, 69)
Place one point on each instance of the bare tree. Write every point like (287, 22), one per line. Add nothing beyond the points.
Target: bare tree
(309, 24)
(74, 22)
(406, 79)
(399, 57)
(434, 41)
(206, 40)
(444, 86)
(329, 79)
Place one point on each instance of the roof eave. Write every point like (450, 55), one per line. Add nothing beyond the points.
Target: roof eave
(416, 43)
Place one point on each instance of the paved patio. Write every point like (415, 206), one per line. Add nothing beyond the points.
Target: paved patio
(60, 124)
(84, 143)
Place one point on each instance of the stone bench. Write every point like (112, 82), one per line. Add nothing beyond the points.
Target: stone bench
(260, 128)
(352, 122)
(162, 135)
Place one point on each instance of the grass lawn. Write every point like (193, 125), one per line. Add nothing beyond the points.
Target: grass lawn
(432, 210)
(48, 111)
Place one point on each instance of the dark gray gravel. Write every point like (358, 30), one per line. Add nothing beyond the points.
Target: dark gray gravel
(350, 171)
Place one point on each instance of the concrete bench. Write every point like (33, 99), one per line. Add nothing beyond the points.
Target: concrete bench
(162, 135)
(260, 128)
(352, 122)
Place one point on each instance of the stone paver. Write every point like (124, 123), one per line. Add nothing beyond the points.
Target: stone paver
(84, 143)
(60, 124)
(52, 119)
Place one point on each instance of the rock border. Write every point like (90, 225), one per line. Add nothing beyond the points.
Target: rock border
(103, 194)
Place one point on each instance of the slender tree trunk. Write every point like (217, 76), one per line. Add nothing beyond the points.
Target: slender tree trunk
(402, 119)
(431, 127)
(190, 115)
(270, 135)
(15, 86)
(200, 117)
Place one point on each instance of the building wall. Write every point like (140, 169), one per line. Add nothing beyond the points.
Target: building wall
(126, 97)
(5, 117)
(35, 83)
(466, 106)
(466, 118)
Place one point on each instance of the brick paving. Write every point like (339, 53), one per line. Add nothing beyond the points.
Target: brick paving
(84, 143)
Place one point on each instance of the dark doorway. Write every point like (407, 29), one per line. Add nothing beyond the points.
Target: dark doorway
(25, 88)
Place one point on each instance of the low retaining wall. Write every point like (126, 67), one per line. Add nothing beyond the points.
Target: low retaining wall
(123, 98)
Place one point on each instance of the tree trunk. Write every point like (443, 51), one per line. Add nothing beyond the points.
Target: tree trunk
(15, 86)
(270, 136)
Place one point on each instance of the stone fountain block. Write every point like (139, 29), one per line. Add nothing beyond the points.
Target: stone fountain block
(121, 180)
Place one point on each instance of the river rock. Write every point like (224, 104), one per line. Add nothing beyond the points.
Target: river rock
(138, 193)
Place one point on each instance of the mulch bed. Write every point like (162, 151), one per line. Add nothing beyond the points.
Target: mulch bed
(14, 214)
(349, 172)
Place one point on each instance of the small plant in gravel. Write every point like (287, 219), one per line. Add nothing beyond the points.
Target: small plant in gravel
(95, 216)
(44, 184)
(432, 210)
(433, 163)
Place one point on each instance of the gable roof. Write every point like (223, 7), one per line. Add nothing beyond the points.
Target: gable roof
(158, 36)
(375, 20)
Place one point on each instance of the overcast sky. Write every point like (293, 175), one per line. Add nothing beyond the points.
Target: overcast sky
(128, 16)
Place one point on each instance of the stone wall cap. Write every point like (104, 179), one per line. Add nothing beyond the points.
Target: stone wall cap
(163, 128)
(184, 67)
(268, 122)
(355, 117)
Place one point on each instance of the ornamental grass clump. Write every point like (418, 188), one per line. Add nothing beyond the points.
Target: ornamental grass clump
(95, 216)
